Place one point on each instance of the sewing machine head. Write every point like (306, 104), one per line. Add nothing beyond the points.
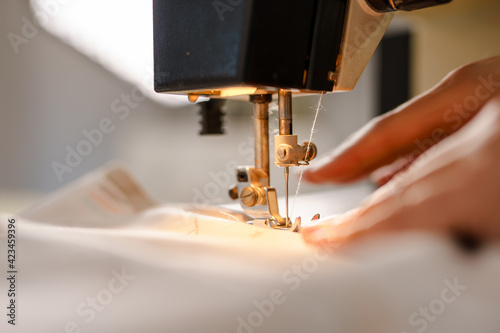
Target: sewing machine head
(261, 49)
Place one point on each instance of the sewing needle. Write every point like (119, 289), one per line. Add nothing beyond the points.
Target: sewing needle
(287, 174)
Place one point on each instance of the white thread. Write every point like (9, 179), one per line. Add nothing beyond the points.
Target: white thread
(318, 107)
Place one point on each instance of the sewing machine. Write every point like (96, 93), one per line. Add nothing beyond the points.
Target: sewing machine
(262, 49)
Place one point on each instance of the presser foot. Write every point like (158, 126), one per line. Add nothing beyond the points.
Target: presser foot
(260, 201)
(271, 223)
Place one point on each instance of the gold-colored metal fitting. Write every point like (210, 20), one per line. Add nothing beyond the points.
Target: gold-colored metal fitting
(251, 196)
(289, 153)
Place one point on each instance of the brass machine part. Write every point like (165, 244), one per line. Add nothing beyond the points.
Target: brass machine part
(257, 197)
(255, 194)
(285, 112)
(261, 132)
(287, 151)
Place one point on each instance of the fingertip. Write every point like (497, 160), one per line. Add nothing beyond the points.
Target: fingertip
(321, 234)
(313, 235)
(310, 176)
(337, 229)
(319, 177)
(319, 174)
(331, 168)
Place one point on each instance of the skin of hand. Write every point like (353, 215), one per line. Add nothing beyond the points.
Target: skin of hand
(437, 158)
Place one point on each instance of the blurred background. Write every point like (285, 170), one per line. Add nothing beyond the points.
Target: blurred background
(69, 67)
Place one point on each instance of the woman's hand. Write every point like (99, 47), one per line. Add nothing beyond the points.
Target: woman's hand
(440, 163)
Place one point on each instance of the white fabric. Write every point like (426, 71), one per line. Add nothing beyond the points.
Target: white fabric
(184, 269)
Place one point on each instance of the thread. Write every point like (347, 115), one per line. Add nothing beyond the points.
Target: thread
(318, 108)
